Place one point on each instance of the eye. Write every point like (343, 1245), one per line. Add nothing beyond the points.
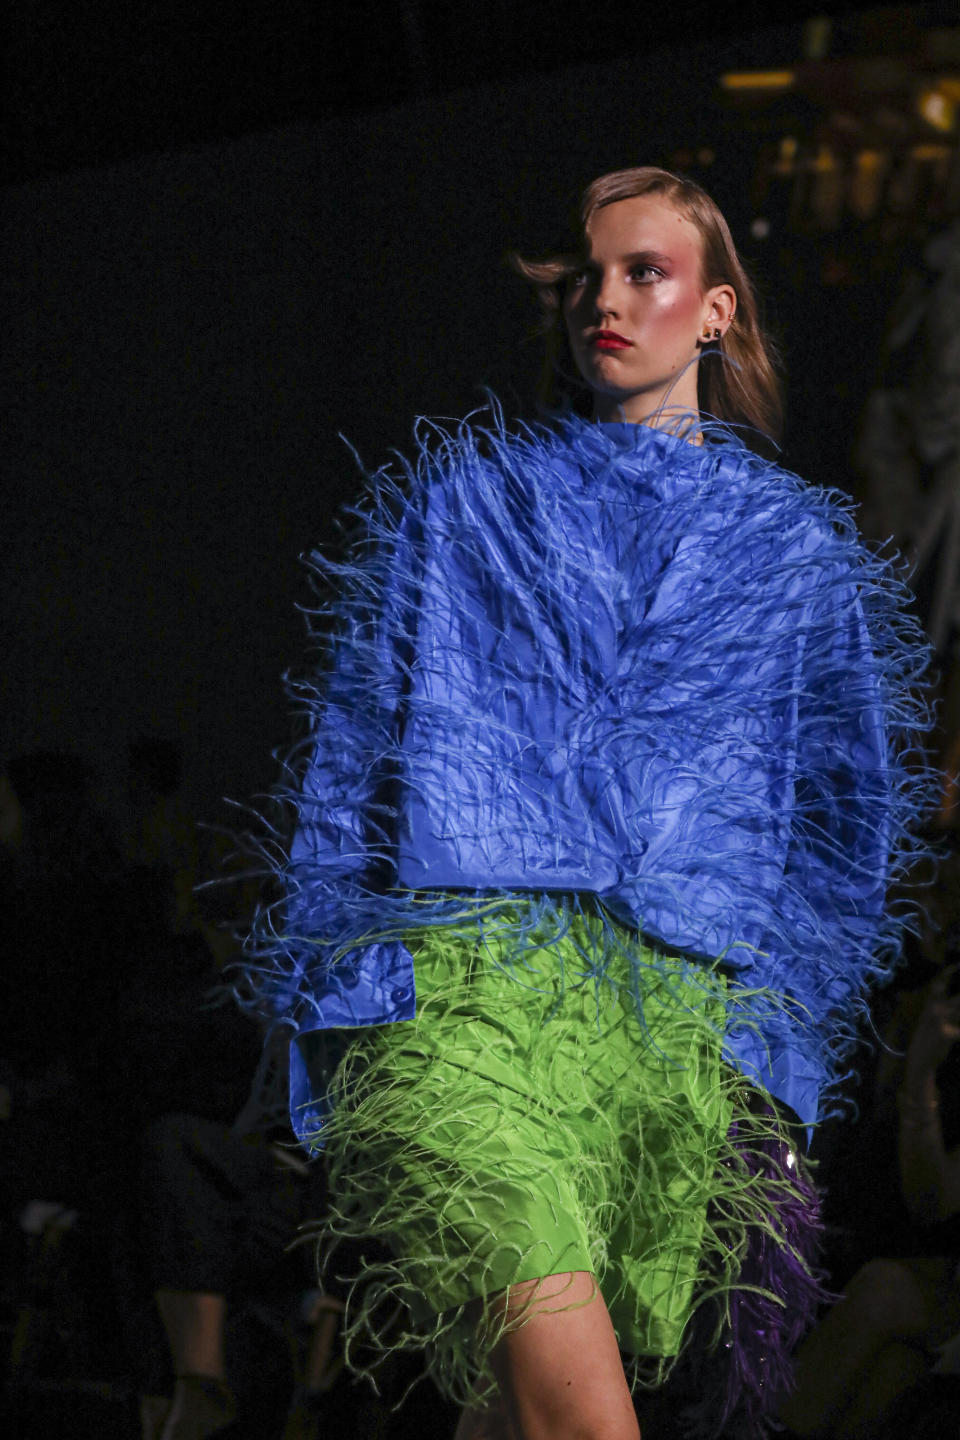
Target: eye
(578, 278)
(645, 274)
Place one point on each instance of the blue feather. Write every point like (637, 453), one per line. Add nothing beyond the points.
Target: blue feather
(602, 662)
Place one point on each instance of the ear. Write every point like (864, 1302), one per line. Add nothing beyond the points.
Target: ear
(719, 308)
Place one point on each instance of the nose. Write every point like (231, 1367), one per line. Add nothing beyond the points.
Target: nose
(605, 300)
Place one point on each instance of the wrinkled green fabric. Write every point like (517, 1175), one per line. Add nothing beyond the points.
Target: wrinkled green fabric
(527, 1123)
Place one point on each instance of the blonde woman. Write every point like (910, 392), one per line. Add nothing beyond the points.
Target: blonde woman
(606, 780)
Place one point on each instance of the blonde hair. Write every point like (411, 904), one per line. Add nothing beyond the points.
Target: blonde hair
(737, 383)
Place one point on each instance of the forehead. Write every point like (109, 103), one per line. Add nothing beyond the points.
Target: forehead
(644, 222)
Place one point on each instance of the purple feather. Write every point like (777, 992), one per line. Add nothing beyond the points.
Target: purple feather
(776, 1300)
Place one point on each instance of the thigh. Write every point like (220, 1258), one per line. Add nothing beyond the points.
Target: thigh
(558, 1363)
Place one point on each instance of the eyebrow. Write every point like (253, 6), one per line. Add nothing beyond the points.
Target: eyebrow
(648, 257)
(638, 257)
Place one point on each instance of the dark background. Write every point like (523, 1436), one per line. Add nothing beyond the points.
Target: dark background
(232, 233)
(88, 82)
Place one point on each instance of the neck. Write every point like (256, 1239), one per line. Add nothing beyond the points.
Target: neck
(673, 406)
(675, 419)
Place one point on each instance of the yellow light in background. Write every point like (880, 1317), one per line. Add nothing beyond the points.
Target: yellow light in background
(786, 156)
(930, 151)
(826, 193)
(758, 80)
(866, 183)
(816, 36)
(938, 108)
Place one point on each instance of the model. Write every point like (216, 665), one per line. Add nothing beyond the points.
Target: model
(607, 778)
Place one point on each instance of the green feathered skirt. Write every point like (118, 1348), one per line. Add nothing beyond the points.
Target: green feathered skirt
(528, 1122)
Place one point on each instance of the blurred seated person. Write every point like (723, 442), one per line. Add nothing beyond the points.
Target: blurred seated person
(161, 837)
(220, 1211)
(222, 1185)
(63, 951)
(883, 1336)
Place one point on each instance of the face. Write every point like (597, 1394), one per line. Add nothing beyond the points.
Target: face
(636, 310)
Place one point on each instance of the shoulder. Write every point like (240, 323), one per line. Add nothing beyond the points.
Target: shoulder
(809, 521)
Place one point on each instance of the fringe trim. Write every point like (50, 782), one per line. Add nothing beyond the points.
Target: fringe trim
(759, 1291)
(738, 1358)
(700, 1228)
(766, 714)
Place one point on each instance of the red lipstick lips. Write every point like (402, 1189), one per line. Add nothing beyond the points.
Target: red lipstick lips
(609, 340)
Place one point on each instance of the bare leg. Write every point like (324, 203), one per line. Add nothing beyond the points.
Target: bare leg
(319, 1369)
(194, 1326)
(318, 1373)
(487, 1424)
(202, 1402)
(559, 1374)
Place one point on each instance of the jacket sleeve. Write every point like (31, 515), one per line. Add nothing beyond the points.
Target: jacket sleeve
(328, 956)
(858, 791)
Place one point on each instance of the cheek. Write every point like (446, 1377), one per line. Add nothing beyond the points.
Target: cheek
(675, 317)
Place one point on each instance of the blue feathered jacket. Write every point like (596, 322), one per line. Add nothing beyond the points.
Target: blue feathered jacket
(602, 661)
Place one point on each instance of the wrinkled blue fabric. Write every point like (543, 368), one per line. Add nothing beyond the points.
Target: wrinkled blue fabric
(602, 661)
